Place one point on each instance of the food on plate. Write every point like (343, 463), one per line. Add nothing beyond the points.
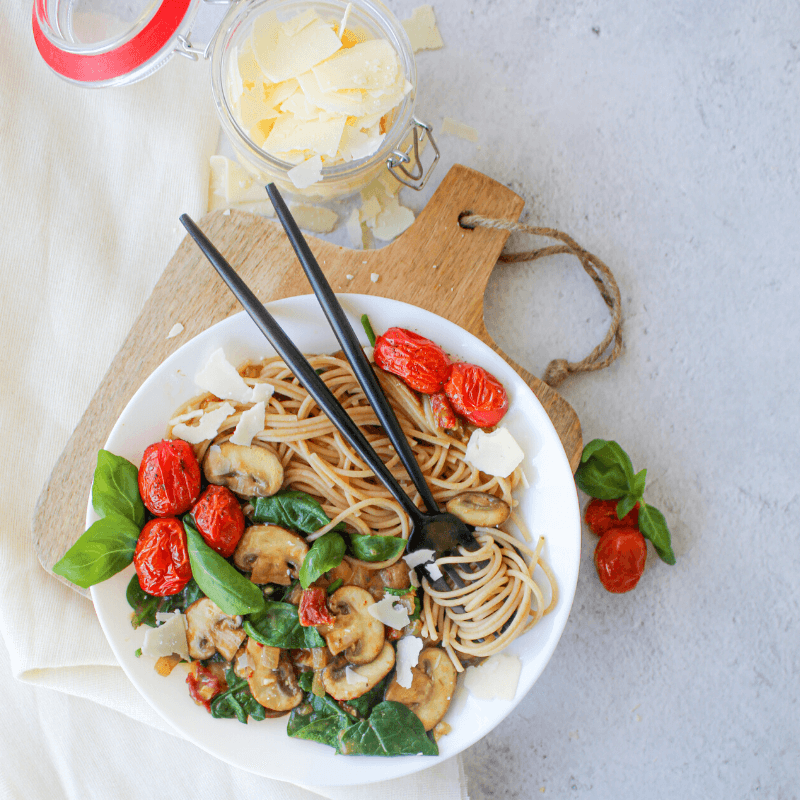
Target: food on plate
(288, 573)
(314, 92)
(169, 478)
(606, 474)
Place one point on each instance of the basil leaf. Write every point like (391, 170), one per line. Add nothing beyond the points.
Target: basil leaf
(237, 701)
(391, 730)
(654, 527)
(326, 553)
(605, 471)
(398, 592)
(319, 719)
(145, 606)
(638, 483)
(278, 625)
(115, 489)
(626, 504)
(102, 551)
(368, 329)
(291, 509)
(335, 585)
(376, 548)
(218, 579)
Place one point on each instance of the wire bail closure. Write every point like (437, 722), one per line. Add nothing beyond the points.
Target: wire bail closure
(417, 177)
(191, 51)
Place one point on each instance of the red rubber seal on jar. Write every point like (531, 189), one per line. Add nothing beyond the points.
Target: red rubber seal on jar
(90, 68)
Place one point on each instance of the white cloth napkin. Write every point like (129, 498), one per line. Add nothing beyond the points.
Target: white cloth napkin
(92, 183)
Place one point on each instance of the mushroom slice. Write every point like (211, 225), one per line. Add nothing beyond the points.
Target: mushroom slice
(270, 553)
(247, 471)
(345, 682)
(395, 577)
(432, 687)
(209, 630)
(479, 508)
(272, 681)
(356, 633)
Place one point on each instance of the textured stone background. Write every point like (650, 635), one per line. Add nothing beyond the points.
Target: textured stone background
(663, 137)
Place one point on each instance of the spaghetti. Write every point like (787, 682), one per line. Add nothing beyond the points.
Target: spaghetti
(502, 599)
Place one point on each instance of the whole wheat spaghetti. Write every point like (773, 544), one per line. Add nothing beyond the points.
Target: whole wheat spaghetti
(501, 600)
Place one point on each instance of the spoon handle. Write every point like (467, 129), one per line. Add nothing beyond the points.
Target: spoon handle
(304, 372)
(352, 348)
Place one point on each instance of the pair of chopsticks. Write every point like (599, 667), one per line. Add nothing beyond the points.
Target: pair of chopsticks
(306, 374)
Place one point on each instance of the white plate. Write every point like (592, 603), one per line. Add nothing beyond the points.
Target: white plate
(550, 508)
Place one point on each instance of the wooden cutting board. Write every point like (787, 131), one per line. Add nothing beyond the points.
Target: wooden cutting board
(190, 292)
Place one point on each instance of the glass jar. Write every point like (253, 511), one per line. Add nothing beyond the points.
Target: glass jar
(399, 150)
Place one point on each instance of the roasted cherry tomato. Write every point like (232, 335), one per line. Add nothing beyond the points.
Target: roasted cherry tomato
(219, 519)
(169, 478)
(161, 557)
(313, 607)
(418, 361)
(476, 394)
(442, 411)
(619, 558)
(204, 685)
(601, 516)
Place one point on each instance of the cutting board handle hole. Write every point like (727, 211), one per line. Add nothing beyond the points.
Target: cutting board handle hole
(461, 217)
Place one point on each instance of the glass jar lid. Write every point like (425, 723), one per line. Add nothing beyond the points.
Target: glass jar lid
(109, 42)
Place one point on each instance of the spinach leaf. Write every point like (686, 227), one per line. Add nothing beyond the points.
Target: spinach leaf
(102, 551)
(654, 527)
(291, 509)
(145, 606)
(278, 625)
(237, 701)
(218, 579)
(391, 730)
(319, 719)
(376, 548)
(326, 553)
(364, 704)
(115, 489)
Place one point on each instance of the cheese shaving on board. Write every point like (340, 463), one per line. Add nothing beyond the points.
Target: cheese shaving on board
(315, 218)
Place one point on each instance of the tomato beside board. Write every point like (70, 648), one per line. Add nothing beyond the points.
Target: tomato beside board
(161, 557)
(601, 516)
(619, 558)
(169, 478)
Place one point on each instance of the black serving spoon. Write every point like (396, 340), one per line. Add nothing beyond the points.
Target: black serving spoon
(434, 530)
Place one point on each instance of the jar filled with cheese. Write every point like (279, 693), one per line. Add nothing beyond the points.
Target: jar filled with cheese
(319, 97)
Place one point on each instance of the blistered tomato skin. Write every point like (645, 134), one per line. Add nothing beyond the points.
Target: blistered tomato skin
(476, 395)
(219, 519)
(313, 609)
(619, 557)
(169, 478)
(161, 557)
(601, 516)
(417, 361)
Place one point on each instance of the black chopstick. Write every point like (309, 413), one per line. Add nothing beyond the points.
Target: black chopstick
(299, 365)
(352, 348)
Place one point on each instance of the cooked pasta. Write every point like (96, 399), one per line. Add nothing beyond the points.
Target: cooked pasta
(501, 600)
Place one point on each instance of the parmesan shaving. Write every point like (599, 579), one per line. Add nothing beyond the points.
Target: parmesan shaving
(421, 29)
(222, 379)
(354, 677)
(418, 557)
(209, 426)
(306, 174)
(175, 330)
(496, 678)
(459, 129)
(496, 453)
(390, 612)
(408, 650)
(250, 424)
(167, 639)
(314, 218)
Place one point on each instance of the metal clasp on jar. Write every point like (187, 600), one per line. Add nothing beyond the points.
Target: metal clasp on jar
(417, 176)
(191, 51)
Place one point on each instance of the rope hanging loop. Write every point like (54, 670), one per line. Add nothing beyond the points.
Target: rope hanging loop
(559, 368)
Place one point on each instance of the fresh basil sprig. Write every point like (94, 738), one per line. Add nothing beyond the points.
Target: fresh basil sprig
(606, 472)
(107, 547)
(219, 580)
(326, 553)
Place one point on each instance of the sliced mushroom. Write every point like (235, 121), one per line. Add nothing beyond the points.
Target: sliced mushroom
(247, 471)
(271, 554)
(351, 575)
(342, 681)
(432, 687)
(273, 682)
(479, 508)
(209, 630)
(356, 633)
(395, 577)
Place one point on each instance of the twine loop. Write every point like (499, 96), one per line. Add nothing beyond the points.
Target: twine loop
(559, 368)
